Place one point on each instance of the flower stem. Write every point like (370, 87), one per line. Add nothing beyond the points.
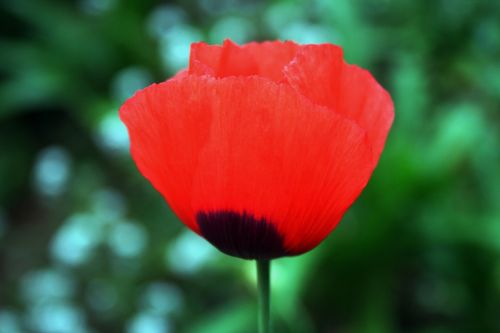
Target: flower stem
(263, 274)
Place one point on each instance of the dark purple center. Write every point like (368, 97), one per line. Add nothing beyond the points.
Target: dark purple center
(241, 235)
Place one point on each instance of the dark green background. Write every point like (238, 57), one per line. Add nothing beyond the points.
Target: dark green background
(87, 246)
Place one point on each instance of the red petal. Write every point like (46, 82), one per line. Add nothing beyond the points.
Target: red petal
(228, 60)
(248, 145)
(204, 58)
(266, 59)
(320, 74)
(272, 57)
(181, 74)
(166, 138)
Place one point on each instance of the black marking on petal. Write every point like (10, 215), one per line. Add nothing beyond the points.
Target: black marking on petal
(241, 235)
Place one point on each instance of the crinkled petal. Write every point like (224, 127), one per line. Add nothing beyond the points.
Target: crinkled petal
(266, 59)
(320, 74)
(249, 146)
(221, 61)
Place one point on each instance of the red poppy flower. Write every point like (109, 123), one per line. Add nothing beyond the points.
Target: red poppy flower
(260, 148)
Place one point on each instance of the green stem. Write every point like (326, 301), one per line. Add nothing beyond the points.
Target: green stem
(263, 274)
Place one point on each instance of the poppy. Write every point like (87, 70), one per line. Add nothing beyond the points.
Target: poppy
(260, 148)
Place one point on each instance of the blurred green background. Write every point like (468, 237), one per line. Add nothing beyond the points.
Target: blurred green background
(87, 246)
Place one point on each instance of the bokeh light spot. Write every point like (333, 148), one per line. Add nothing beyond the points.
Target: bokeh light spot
(306, 33)
(238, 29)
(189, 253)
(52, 169)
(128, 81)
(281, 14)
(112, 134)
(127, 239)
(75, 240)
(161, 298)
(9, 322)
(146, 322)
(48, 284)
(175, 44)
(163, 18)
(56, 317)
(108, 204)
